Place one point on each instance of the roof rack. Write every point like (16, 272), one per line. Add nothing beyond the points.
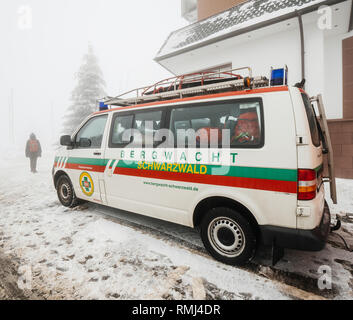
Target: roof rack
(189, 85)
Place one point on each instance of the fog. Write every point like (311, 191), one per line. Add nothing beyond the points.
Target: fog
(40, 55)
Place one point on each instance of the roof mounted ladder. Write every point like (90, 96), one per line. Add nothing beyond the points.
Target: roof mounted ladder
(189, 85)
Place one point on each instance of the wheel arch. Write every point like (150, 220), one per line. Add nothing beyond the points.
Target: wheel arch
(217, 201)
(59, 174)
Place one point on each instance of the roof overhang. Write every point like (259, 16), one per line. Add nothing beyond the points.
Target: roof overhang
(253, 27)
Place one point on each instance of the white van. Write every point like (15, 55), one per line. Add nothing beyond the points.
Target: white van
(240, 158)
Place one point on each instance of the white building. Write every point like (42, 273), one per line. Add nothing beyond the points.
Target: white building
(265, 33)
(314, 38)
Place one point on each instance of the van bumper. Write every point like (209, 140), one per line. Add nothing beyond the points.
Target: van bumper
(308, 240)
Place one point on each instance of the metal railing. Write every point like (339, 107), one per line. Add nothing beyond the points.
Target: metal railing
(193, 83)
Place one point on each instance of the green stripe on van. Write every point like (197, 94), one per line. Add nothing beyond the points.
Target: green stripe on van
(264, 173)
(88, 161)
(242, 172)
(233, 171)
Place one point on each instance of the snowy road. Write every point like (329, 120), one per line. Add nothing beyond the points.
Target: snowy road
(95, 252)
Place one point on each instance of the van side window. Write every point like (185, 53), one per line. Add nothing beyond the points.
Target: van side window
(241, 120)
(91, 134)
(310, 112)
(121, 123)
(147, 123)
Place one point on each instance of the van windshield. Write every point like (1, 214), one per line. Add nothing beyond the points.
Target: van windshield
(310, 112)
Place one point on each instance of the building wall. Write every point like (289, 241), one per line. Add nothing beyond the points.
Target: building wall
(261, 50)
(276, 47)
(341, 131)
(328, 59)
(332, 95)
(207, 8)
(347, 61)
(314, 41)
(323, 73)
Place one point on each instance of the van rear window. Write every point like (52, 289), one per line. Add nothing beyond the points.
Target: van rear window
(310, 112)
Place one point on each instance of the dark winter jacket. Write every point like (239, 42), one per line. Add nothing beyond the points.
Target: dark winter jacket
(33, 144)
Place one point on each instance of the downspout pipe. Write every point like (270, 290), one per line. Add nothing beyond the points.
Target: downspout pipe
(302, 45)
(350, 28)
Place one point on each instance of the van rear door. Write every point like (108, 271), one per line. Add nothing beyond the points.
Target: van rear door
(323, 126)
(311, 195)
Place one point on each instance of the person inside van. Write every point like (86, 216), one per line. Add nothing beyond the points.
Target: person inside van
(33, 151)
(247, 129)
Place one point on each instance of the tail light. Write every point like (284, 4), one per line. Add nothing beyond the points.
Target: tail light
(307, 184)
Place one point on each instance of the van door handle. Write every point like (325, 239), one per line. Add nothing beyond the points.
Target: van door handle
(97, 153)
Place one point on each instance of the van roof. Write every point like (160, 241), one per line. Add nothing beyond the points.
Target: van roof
(200, 97)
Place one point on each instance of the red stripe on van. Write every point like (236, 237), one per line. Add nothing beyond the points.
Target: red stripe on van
(210, 96)
(238, 182)
(85, 167)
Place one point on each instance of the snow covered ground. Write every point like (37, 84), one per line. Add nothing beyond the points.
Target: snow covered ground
(95, 252)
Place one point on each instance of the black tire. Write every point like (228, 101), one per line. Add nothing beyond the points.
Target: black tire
(66, 192)
(228, 236)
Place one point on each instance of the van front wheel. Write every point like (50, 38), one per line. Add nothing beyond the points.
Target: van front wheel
(66, 193)
(228, 236)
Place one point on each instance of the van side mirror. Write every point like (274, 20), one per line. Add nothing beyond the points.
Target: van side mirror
(66, 141)
(85, 143)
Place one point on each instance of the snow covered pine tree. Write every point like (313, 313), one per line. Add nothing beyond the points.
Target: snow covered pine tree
(89, 88)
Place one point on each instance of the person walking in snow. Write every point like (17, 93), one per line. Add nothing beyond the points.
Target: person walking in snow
(33, 151)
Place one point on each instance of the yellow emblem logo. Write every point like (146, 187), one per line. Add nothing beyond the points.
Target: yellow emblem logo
(86, 184)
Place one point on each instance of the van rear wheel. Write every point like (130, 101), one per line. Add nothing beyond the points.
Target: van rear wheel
(228, 236)
(66, 193)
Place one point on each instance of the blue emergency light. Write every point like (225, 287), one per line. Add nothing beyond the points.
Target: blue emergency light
(103, 106)
(279, 77)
